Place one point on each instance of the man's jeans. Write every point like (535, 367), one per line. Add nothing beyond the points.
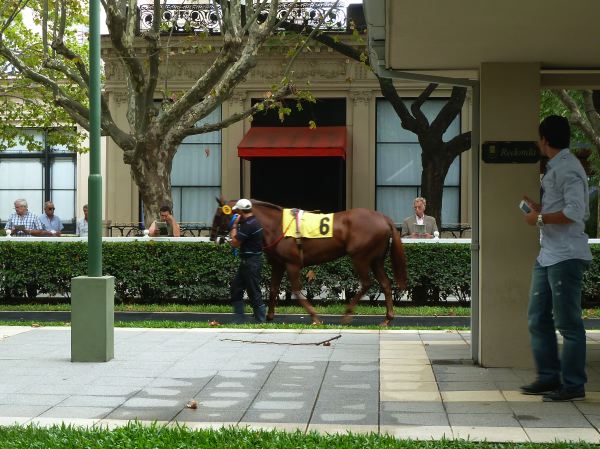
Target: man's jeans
(248, 278)
(555, 303)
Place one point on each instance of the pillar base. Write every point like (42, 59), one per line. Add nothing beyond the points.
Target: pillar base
(92, 319)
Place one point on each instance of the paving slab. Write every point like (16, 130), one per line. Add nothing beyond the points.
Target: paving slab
(410, 384)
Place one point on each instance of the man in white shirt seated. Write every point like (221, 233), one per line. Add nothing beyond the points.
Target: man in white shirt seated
(82, 225)
(419, 225)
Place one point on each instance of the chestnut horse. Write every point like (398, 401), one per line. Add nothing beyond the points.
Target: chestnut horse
(364, 235)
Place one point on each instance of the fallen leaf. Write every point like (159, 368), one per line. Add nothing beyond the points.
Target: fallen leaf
(35, 325)
(192, 404)
(326, 343)
(310, 275)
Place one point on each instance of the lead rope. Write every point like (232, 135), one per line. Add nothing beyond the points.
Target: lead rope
(270, 245)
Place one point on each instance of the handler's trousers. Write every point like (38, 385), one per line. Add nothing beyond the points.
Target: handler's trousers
(248, 279)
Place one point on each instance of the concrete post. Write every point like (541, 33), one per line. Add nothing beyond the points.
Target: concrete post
(510, 103)
(92, 319)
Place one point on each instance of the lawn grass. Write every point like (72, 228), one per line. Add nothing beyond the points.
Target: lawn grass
(322, 309)
(206, 324)
(327, 309)
(134, 435)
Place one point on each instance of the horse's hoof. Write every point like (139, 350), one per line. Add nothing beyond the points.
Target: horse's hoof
(270, 317)
(317, 322)
(385, 323)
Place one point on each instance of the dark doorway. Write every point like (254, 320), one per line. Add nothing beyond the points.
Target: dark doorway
(309, 183)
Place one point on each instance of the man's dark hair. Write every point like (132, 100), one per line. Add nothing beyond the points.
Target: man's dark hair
(165, 208)
(556, 130)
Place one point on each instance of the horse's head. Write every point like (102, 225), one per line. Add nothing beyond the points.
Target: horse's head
(220, 225)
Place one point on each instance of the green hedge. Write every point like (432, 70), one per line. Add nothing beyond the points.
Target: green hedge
(192, 272)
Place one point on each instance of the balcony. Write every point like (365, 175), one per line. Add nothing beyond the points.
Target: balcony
(205, 18)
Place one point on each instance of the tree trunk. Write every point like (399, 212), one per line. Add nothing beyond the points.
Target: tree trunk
(435, 168)
(598, 209)
(152, 175)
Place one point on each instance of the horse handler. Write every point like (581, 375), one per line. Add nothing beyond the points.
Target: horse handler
(246, 234)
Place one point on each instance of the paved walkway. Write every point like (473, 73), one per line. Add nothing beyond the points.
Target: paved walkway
(411, 384)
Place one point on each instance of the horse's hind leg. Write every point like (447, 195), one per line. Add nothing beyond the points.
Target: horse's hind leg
(293, 272)
(362, 270)
(276, 276)
(386, 286)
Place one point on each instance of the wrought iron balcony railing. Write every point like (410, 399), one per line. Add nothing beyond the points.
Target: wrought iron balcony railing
(194, 18)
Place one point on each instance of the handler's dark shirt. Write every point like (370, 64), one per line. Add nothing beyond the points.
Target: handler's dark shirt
(250, 236)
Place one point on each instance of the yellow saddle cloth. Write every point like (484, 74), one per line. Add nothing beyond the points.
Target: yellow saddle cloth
(312, 226)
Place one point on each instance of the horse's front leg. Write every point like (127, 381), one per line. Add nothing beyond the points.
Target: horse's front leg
(293, 272)
(276, 276)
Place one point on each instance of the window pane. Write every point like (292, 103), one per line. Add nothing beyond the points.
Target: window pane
(35, 200)
(193, 167)
(21, 174)
(213, 137)
(18, 147)
(398, 164)
(198, 204)
(63, 174)
(453, 175)
(176, 193)
(64, 201)
(396, 202)
(389, 128)
(450, 205)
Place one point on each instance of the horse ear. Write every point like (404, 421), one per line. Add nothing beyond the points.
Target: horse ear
(219, 201)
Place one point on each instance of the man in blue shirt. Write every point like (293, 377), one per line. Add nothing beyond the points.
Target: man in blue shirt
(246, 234)
(555, 297)
(24, 223)
(52, 224)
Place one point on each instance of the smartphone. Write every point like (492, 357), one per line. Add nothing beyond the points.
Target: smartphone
(524, 207)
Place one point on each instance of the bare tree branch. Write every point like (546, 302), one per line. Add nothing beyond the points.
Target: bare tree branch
(450, 110)
(590, 110)
(390, 93)
(209, 127)
(415, 107)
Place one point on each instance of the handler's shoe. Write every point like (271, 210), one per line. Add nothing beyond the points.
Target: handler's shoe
(541, 387)
(565, 394)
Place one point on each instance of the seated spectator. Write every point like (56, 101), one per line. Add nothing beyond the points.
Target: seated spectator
(172, 226)
(82, 225)
(51, 223)
(24, 223)
(419, 225)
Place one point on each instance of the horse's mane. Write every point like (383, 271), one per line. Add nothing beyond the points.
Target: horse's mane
(265, 204)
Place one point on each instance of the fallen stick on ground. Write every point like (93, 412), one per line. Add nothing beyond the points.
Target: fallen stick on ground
(324, 342)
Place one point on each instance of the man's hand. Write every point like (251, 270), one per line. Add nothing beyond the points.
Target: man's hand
(531, 217)
(535, 206)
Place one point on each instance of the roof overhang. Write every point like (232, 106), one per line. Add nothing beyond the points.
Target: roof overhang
(440, 35)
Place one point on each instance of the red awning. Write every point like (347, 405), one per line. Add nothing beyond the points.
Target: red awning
(293, 142)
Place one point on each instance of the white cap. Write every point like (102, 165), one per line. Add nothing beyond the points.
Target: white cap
(243, 204)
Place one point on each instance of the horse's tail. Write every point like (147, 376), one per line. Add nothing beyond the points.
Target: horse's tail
(398, 258)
